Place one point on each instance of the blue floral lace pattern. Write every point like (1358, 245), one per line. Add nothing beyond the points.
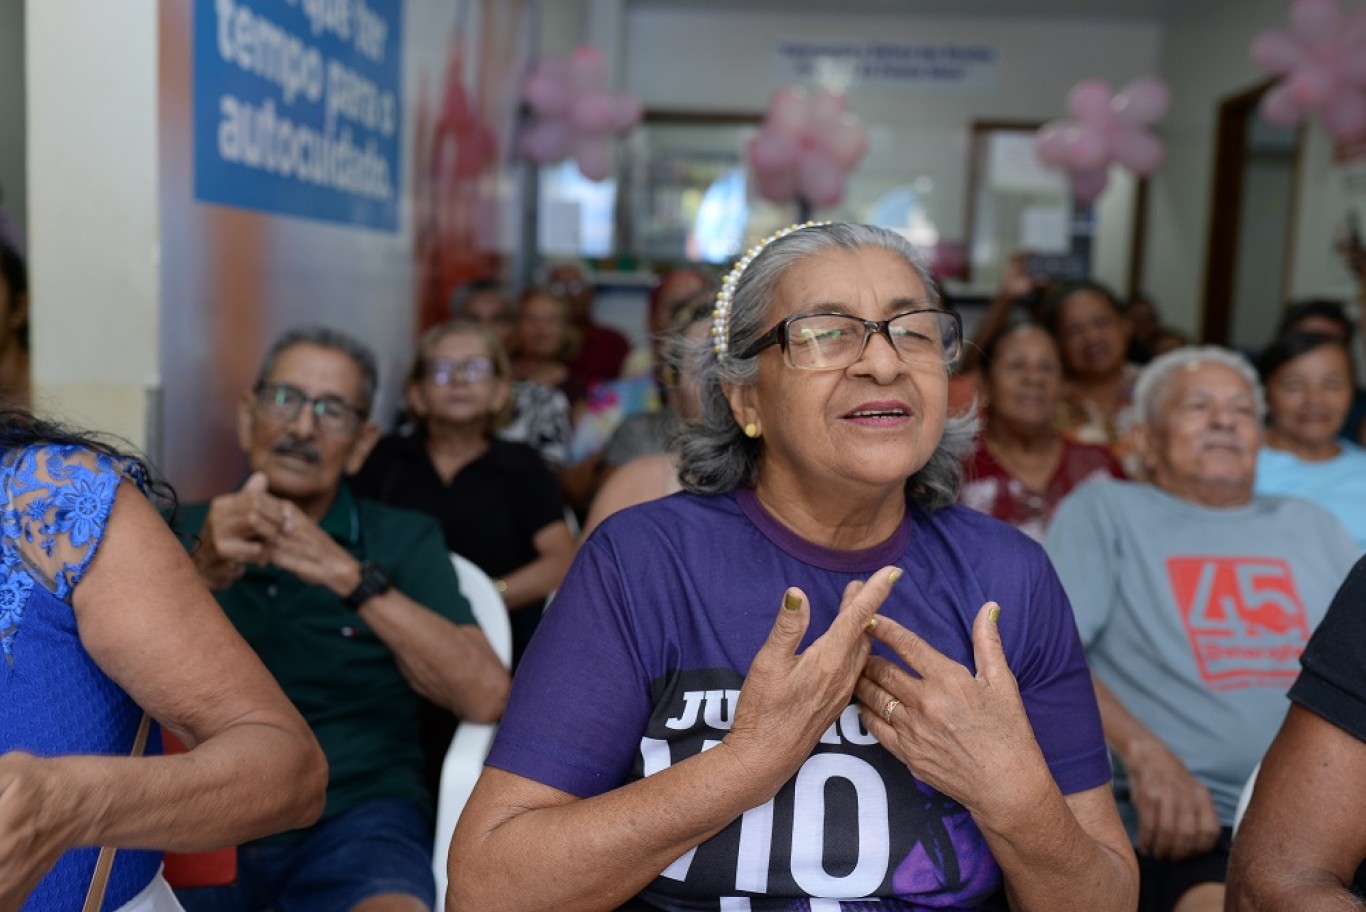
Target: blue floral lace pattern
(56, 503)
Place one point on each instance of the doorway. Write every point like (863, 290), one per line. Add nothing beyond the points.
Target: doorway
(1251, 229)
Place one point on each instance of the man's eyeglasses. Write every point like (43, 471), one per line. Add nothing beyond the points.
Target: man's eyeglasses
(283, 402)
(443, 371)
(831, 341)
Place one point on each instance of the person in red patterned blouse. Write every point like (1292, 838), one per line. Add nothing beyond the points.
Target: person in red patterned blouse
(1023, 465)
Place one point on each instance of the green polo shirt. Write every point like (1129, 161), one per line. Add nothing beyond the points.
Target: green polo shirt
(342, 678)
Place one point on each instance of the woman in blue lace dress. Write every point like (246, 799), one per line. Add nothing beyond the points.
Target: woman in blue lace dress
(103, 619)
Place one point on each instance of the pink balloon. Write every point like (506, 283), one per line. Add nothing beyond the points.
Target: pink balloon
(1316, 22)
(1354, 28)
(1344, 116)
(1351, 66)
(788, 114)
(553, 67)
(591, 113)
(1311, 85)
(772, 151)
(1143, 101)
(1086, 147)
(587, 68)
(778, 186)
(594, 158)
(1051, 143)
(1089, 101)
(825, 109)
(1139, 151)
(820, 180)
(1279, 107)
(626, 111)
(545, 95)
(1089, 184)
(546, 141)
(1276, 52)
(846, 142)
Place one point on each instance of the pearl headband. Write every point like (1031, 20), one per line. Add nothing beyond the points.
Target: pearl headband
(720, 315)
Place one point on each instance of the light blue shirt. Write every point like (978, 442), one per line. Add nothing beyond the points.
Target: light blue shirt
(1338, 484)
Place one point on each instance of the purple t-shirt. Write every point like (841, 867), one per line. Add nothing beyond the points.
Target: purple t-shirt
(641, 657)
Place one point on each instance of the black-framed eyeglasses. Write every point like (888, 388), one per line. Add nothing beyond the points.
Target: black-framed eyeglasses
(444, 371)
(831, 341)
(284, 402)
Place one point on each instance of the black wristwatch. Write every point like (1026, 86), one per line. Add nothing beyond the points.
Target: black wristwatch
(373, 581)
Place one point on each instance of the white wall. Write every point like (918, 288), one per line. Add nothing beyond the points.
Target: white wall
(12, 156)
(93, 242)
(718, 60)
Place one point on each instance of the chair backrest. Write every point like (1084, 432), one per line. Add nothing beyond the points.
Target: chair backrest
(1245, 798)
(488, 606)
(465, 757)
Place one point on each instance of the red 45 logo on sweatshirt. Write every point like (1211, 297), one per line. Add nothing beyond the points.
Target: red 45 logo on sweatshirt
(1244, 616)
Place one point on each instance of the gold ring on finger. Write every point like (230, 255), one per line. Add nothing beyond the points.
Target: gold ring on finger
(887, 710)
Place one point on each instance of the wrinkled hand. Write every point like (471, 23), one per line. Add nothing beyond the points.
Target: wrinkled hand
(36, 825)
(239, 530)
(1355, 259)
(312, 555)
(789, 700)
(965, 735)
(1176, 815)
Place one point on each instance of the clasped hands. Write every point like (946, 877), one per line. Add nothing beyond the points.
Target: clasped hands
(252, 526)
(964, 734)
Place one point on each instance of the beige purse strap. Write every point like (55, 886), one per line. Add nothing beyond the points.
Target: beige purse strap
(99, 881)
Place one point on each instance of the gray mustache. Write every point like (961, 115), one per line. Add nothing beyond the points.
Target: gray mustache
(1228, 440)
(290, 446)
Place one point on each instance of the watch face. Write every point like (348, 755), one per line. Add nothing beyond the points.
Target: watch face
(373, 581)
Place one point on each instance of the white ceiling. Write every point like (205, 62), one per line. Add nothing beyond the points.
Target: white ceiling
(1152, 10)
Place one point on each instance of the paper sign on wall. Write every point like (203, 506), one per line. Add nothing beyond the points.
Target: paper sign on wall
(924, 66)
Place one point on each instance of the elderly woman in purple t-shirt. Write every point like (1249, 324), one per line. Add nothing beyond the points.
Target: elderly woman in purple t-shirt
(809, 680)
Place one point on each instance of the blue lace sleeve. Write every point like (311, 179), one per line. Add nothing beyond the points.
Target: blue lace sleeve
(57, 501)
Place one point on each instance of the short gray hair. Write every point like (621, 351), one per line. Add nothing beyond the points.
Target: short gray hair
(1150, 390)
(714, 454)
(326, 337)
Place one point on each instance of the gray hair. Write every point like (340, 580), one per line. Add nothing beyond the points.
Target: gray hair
(714, 454)
(325, 337)
(1150, 391)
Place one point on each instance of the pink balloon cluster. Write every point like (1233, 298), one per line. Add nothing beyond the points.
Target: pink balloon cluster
(808, 144)
(1322, 60)
(573, 114)
(1105, 129)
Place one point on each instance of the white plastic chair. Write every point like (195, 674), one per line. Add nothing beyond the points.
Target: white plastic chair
(1245, 798)
(465, 757)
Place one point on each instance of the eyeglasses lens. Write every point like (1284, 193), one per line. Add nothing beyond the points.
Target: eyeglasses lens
(831, 341)
(472, 370)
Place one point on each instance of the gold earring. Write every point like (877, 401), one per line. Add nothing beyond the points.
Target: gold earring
(752, 430)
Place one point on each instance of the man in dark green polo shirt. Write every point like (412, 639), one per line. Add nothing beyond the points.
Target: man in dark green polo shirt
(356, 609)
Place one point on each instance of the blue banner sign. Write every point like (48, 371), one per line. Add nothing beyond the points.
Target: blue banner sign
(297, 107)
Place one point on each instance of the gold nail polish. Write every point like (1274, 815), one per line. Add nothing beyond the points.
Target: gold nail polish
(872, 622)
(994, 614)
(894, 575)
(792, 601)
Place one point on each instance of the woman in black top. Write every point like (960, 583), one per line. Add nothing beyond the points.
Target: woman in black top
(496, 501)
